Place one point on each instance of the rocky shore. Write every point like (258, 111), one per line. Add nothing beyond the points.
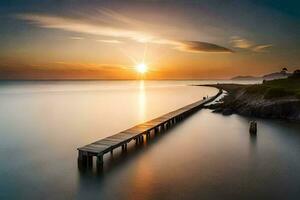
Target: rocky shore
(251, 100)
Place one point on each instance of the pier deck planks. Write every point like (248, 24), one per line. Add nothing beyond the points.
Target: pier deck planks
(100, 147)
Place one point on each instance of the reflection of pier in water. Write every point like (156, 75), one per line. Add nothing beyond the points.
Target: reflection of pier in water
(137, 133)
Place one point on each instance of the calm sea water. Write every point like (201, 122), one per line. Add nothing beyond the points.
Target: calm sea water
(208, 156)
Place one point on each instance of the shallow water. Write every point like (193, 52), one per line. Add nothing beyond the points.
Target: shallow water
(207, 156)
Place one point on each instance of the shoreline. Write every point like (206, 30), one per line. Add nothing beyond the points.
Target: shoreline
(239, 100)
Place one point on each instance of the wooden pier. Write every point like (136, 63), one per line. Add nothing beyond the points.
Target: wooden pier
(160, 124)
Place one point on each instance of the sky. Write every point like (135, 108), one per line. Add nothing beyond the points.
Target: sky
(176, 39)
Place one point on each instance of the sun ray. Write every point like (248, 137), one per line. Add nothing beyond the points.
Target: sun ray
(128, 56)
(145, 52)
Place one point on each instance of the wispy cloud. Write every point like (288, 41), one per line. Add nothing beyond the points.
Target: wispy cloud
(110, 41)
(87, 66)
(195, 46)
(243, 43)
(118, 27)
(80, 26)
(76, 38)
(262, 48)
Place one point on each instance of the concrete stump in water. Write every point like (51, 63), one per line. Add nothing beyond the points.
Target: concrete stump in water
(253, 127)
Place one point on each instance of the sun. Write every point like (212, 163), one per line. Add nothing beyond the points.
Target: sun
(141, 68)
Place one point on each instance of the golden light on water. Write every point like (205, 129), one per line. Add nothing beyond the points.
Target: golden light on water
(142, 68)
(142, 101)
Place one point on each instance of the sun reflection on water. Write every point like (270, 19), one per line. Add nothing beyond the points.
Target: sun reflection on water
(142, 101)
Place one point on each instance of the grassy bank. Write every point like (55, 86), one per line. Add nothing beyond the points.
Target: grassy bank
(280, 88)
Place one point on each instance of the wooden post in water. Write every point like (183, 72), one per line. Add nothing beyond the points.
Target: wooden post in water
(253, 127)
(156, 130)
(100, 158)
(148, 135)
(90, 161)
(82, 160)
(81, 157)
(124, 147)
(99, 163)
(141, 138)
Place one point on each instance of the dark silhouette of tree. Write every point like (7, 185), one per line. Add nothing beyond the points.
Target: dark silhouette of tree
(284, 70)
(296, 74)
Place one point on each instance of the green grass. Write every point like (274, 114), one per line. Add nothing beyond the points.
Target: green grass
(277, 88)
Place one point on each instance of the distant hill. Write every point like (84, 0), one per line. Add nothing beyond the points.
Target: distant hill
(272, 76)
(276, 75)
(245, 78)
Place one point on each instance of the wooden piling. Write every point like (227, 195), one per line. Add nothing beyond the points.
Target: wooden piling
(253, 127)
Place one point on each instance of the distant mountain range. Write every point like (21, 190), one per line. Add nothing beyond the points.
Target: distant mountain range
(271, 76)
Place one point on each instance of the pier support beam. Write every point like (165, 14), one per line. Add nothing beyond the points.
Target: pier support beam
(99, 163)
(82, 160)
(156, 130)
(90, 161)
(167, 125)
(124, 147)
(148, 135)
(82, 157)
(100, 158)
(161, 129)
(139, 139)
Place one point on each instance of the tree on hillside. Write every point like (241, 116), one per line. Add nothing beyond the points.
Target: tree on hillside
(284, 70)
(296, 74)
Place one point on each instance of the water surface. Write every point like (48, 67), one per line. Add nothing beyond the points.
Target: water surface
(208, 156)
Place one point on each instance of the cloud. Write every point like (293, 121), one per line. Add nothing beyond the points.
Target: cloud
(110, 41)
(87, 66)
(262, 48)
(65, 70)
(76, 38)
(240, 42)
(81, 26)
(196, 46)
(108, 23)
